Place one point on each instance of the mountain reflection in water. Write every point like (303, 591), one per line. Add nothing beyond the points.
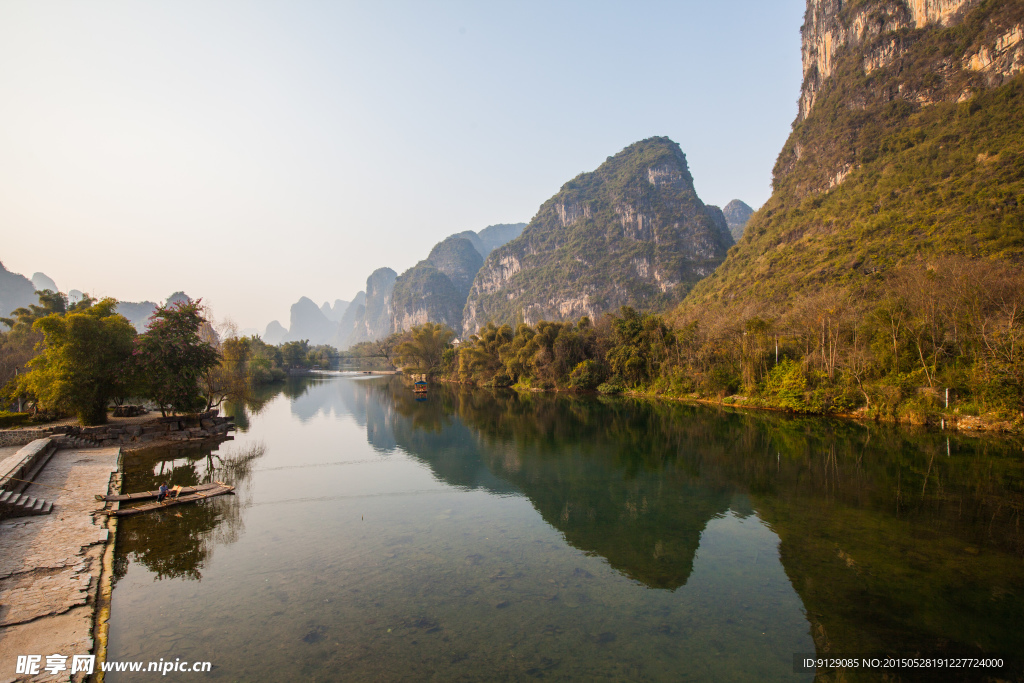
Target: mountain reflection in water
(742, 532)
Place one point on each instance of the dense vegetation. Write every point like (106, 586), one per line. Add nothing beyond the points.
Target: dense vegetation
(891, 350)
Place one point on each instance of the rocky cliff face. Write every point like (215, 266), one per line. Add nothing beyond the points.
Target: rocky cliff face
(905, 146)
(459, 260)
(633, 232)
(880, 32)
(875, 52)
(425, 294)
(373, 320)
(353, 316)
(378, 303)
(436, 288)
(15, 291)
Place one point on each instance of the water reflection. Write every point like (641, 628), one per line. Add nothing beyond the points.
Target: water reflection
(728, 541)
(178, 542)
(896, 540)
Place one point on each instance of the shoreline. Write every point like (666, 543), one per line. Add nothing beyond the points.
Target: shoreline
(949, 422)
(953, 422)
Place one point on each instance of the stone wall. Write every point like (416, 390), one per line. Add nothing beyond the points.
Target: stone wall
(179, 428)
(20, 437)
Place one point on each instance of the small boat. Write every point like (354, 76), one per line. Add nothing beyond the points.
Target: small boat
(420, 387)
(147, 495)
(171, 499)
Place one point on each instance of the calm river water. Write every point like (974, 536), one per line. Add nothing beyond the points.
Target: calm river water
(481, 535)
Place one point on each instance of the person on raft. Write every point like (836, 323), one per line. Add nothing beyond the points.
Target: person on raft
(163, 493)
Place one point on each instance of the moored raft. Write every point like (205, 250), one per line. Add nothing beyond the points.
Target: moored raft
(219, 489)
(146, 495)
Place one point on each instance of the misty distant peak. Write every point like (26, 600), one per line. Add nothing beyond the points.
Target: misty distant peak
(275, 333)
(737, 213)
(15, 291)
(41, 281)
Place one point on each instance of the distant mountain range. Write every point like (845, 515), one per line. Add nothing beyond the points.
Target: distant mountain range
(435, 289)
(17, 291)
(633, 232)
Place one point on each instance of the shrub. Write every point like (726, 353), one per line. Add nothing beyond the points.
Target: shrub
(785, 385)
(612, 386)
(586, 375)
(10, 420)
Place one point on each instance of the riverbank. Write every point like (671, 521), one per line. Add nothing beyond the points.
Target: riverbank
(952, 421)
(52, 566)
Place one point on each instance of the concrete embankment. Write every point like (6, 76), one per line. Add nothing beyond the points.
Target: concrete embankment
(51, 565)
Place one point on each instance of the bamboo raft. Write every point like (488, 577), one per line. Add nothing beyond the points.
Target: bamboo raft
(218, 489)
(146, 495)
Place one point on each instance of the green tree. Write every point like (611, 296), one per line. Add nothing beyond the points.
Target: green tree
(295, 354)
(84, 363)
(228, 379)
(424, 350)
(171, 358)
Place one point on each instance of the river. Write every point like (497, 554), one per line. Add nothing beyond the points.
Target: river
(488, 535)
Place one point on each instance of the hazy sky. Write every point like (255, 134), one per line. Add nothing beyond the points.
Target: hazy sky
(254, 152)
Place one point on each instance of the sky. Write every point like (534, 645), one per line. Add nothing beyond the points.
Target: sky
(250, 153)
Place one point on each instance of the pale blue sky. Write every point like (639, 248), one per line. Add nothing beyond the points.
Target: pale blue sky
(255, 152)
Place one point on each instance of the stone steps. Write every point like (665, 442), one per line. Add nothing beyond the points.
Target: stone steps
(22, 469)
(21, 505)
(76, 442)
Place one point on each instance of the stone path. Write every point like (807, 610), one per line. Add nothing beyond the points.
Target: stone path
(50, 565)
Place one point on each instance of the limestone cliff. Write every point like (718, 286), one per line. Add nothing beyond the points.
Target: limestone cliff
(354, 314)
(436, 288)
(375, 321)
(633, 232)
(458, 260)
(860, 55)
(906, 145)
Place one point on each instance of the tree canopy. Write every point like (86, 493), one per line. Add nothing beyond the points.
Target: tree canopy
(424, 350)
(84, 361)
(171, 358)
